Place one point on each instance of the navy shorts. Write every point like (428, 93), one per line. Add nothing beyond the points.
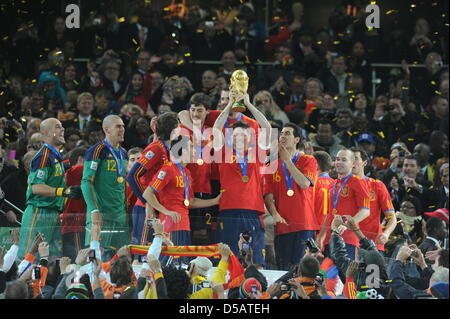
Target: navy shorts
(233, 222)
(201, 218)
(290, 248)
(141, 234)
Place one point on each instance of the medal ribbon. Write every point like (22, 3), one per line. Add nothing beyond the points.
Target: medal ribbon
(119, 160)
(227, 123)
(167, 149)
(185, 181)
(336, 196)
(324, 175)
(242, 163)
(200, 148)
(287, 176)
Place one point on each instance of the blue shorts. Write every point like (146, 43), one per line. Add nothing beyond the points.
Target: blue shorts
(233, 222)
(201, 218)
(290, 248)
(141, 234)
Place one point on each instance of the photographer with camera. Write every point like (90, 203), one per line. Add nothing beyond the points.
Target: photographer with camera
(370, 259)
(396, 122)
(438, 283)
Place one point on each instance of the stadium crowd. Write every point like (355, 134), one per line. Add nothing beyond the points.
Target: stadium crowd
(344, 191)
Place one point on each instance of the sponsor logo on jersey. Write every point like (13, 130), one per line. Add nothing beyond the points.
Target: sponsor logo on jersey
(149, 155)
(40, 173)
(161, 175)
(94, 165)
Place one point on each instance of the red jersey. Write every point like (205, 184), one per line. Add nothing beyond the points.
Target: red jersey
(297, 210)
(201, 174)
(73, 218)
(322, 191)
(353, 197)
(151, 161)
(237, 193)
(380, 201)
(169, 185)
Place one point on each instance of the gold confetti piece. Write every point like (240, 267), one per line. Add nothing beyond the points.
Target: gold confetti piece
(266, 41)
(282, 93)
(9, 102)
(319, 42)
(336, 42)
(187, 54)
(373, 2)
(76, 82)
(438, 92)
(413, 5)
(180, 62)
(434, 4)
(391, 12)
(33, 81)
(2, 92)
(405, 88)
(138, 49)
(134, 41)
(122, 19)
(410, 139)
(166, 9)
(5, 38)
(433, 82)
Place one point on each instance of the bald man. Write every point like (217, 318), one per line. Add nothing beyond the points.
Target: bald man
(103, 187)
(46, 191)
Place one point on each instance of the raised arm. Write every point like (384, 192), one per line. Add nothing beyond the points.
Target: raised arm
(260, 118)
(185, 119)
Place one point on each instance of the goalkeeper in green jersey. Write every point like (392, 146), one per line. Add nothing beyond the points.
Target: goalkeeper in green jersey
(46, 191)
(103, 187)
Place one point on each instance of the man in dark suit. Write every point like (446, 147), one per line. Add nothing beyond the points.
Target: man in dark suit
(334, 78)
(437, 231)
(140, 34)
(85, 108)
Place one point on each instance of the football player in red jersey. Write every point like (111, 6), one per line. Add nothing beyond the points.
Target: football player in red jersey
(289, 197)
(143, 171)
(170, 192)
(323, 186)
(349, 196)
(380, 201)
(240, 171)
(200, 168)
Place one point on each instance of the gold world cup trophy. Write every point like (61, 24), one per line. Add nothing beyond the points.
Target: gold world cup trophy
(239, 85)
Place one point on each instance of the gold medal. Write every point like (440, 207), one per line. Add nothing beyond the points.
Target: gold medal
(245, 179)
(334, 211)
(290, 192)
(200, 161)
(186, 202)
(120, 179)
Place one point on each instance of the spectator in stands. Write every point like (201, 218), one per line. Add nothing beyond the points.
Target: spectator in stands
(263, 100)
(334, 78)
(71, 136)
(228, 63)
(326, 139)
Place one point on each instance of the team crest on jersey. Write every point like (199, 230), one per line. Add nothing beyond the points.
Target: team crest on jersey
(94, 165)
(344, 192)
(149, 155)
(161, 175)
(372, 195)
(40, 173)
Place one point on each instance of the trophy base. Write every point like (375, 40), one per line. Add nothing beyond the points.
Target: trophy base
(238, 107)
